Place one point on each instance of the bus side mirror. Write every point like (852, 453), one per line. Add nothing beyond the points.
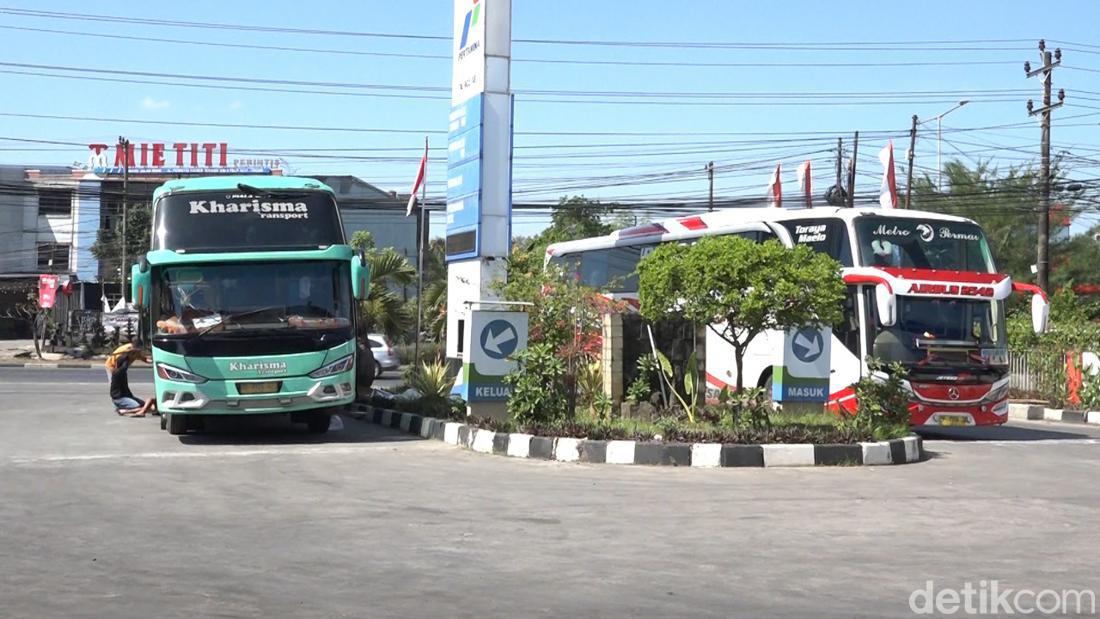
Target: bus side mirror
(887, 305)
(1040, 313)
(360, 276)
(139, 284)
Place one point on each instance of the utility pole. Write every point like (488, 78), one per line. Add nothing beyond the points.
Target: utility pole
(124, 144)
(423, 219)
(1049, 63)
(839, 163)
(710, 178)
(912, 151)
(852, 172)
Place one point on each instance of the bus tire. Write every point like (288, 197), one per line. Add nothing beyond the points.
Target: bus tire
(177, 424)
(164, 421)
(318, 422)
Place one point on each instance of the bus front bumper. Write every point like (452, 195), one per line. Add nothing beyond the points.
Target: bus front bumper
(222, 397)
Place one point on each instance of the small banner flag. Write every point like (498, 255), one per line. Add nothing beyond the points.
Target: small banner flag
(775, 189)
(888, 193)
(805, 183)
(420, 173)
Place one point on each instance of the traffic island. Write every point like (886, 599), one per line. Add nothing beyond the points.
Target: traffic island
(653, 453)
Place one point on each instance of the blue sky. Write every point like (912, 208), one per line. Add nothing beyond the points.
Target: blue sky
(749, 144)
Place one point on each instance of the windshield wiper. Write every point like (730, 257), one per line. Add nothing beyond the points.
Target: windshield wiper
(235, 318)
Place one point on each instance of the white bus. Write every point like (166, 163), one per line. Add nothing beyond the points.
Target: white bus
(922, 291)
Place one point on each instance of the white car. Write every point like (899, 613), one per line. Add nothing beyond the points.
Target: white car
(385, 357)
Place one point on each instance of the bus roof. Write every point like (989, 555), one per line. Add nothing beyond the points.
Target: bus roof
(711, 222)
(228, 183)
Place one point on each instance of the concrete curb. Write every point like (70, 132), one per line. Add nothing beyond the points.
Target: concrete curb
(655, 453)
(49, 365)
(1036, 412)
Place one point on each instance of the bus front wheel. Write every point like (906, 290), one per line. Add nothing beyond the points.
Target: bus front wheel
(177, 424)
(318, 423)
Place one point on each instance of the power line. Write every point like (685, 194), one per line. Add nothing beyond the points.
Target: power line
(520, 59)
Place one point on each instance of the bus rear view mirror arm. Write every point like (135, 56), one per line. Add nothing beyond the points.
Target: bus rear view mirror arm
(886, 304)
(1040, 305)
(360, 276)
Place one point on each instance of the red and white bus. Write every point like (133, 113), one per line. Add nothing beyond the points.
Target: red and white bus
(922, 291)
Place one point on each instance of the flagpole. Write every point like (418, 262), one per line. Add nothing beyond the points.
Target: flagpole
(422, 221)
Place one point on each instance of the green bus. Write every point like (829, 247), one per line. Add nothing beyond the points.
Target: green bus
(247, 300)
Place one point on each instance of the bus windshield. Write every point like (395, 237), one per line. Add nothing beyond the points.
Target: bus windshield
(922, 244)
(234, 221)
(938, 331)
(250, 296)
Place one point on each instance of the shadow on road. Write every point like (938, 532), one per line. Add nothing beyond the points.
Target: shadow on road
(999, 433)
(278, 430)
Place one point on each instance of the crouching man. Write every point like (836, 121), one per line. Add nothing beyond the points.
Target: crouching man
(118, 364)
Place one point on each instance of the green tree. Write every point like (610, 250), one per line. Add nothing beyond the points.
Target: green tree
(1004, 203)
(574, 217)
(747, 287)
(108, 242)
(384, 311)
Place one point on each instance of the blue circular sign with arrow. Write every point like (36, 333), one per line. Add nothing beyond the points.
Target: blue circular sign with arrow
(499, 339)
(807, 345)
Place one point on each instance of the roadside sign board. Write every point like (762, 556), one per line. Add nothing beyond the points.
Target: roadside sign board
(47, 290)
(492, 340)
(803, 374)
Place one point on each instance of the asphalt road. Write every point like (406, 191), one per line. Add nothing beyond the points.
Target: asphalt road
(111, 517)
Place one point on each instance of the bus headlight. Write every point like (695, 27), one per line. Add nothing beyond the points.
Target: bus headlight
(168, 372)
(996, 394)
(341, 365)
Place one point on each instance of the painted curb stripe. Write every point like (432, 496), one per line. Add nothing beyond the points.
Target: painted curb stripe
(674, 454)
(897, 451)
(742, 455)
(706, 454)
(788, 455)
(620, 452)
(519, 445)
(567, 450)
(500, 443)
(594, 452)
(876, 453)
(837, 455)
(483, 441)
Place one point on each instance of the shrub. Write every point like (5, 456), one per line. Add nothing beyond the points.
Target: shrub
(538, 385)
(882, 403)
(434, 383)
(642, 386)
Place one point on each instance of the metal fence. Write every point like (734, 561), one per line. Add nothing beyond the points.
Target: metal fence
(1028, 374)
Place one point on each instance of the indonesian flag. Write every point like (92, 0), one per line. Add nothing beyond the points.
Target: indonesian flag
(419, 179)
(888, 193)
(775, 189)
(805, 183)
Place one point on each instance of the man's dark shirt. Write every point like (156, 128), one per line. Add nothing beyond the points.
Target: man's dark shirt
(120, 383)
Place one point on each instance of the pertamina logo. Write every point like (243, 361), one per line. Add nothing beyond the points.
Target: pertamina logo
(472, 17)
(951, 289)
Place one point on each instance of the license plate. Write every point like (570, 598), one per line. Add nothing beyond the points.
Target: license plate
(254, 388)
(953, 420)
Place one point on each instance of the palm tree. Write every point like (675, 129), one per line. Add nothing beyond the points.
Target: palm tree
(383, 311)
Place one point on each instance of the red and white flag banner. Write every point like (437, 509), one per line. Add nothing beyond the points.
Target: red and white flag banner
(805, 183)
(420, 174)
(888, 193)
(775, 188)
